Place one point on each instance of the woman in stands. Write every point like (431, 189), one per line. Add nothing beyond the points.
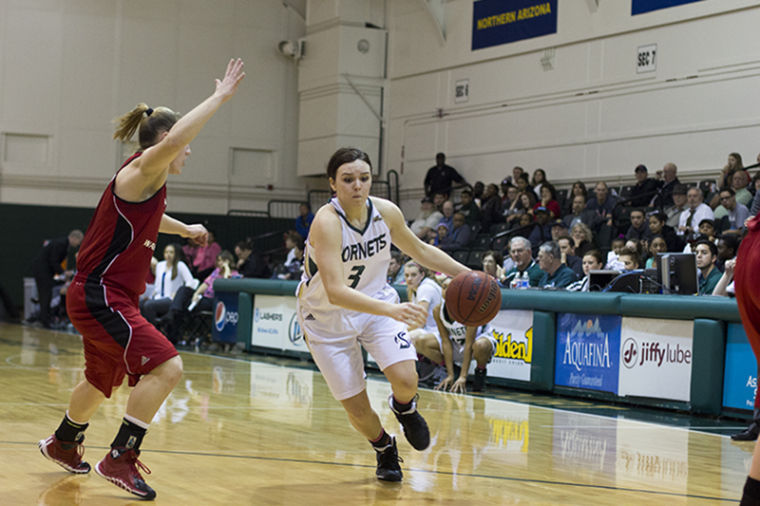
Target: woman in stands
(102, 301)
(171, 274)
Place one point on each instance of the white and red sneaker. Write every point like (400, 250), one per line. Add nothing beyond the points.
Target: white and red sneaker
(65, 454)
(120, 467)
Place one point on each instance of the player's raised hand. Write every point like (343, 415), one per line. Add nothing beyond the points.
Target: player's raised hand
(413, 315)
(227, 87)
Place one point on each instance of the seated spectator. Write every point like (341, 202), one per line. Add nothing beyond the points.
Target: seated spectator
(510, 203)
(292, 267)
(304, 219)
(602, 202)
(249, 264)
(755, 207)
(504, 186)
(171, 274)
(567, 253)
(657, 227)
(579, 188)
(469, 208)
(516, 172)
(490, 210)
(556, 274)
(423, 226)
(728, 247)
(613, 257)
(730, 213)
(657, 245)
(558, 230)
(579, 214)
(592, 260)
(524, 205)
(631, 259)
(396, 269)
(522, 255)
(664, 198)
(202, 259)
(542, 230)
(523, 184)
(583, 239)
(709, 275)
(477, 192)
(492, 261)
(538, 181)
(447, 209)
(638, 229)
(725, 288)
(441, 177)
(688, 222)
(442, 231)
(673, 212)
(549, 200)
(459, 236)
(645, 189)
(733, 164)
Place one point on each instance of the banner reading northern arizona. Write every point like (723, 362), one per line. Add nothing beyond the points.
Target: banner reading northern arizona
(740, 372)
(496, 22)
(275, 324)
(655, 358)
(513, 331)
(588, 351)
(642, 6)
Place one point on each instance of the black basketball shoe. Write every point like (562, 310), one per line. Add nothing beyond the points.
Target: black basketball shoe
(387, 463)
(415, 427)
(479, 382)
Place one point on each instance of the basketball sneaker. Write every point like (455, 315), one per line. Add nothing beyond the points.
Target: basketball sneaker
(120, 467)
(479, 382)
(67, 455)
(415, 427)
(387, 463)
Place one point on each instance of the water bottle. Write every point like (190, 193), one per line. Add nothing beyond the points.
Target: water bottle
(524, 280)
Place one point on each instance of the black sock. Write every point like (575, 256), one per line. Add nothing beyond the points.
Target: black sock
(130, 435)
(381, 442)
(401, 408)
(751, 495)
(70, 431)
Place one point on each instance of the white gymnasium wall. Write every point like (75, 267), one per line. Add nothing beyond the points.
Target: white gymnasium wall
(68, 67)
(591, 115)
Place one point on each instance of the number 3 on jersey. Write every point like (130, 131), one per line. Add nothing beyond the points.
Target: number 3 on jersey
(356, 274)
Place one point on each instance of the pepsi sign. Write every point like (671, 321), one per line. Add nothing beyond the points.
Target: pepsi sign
(226, 317)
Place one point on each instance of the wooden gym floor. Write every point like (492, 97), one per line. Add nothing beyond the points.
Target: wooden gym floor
(245, 431)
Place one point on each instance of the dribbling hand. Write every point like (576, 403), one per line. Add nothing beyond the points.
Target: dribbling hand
(413, 315)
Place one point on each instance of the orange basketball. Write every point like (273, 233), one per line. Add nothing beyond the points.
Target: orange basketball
(473, 298)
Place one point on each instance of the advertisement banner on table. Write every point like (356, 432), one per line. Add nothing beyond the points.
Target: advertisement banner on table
(225, 317)
(655, 358)
(588, 351)
(496, 22)
(275, 324)
(513, 331)
(740, 372)
(642, 6)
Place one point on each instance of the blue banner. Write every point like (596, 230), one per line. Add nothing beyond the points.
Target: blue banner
(588, 351)
(740, 372)
(496, 22)
(642, 6)
(225, 317)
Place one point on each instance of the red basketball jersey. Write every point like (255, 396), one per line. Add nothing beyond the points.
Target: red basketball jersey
(121, 239)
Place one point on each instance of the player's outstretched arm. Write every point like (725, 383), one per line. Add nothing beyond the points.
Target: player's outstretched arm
(424, 254)
(170, 225)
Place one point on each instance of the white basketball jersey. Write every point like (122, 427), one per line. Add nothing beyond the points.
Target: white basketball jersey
(365, 255)
(456, 330)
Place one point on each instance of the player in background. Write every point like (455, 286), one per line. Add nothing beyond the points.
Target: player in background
(102, 301)
(455, 343)
(344, 301)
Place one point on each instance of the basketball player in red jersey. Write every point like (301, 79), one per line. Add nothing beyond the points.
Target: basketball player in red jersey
(102, 301)
(746, 280)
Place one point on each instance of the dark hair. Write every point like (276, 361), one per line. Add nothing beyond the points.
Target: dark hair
(637, 210)
(658, 215)
(727, 189)
(711, 245)
(596, 254)
(582, 186)
(245, 245)
(149, 123)
(525, 177)
(543, 173)
(635, 256)
(179, 256)
(731, 242)
(551, 189)
(345, 155)
(498, 258)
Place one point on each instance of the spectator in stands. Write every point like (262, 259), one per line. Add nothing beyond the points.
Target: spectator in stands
(517, 171)
(725, 288)
(755, 207)
(510, 201)
(728, 247)
(469, 208)
(645, 189)
(592, 260)
(477, 192)
(733, 164)
(172, 273)
(631, 259)
(657, 227)
(396, 269)
(583, 239)
(579, 188)
(579, 214)
(523, 183)
(292, 267)
(741, 184)
(567, 255)
(664, 199)
(459, 236)
(707, 254)
(249, 264)
(440, 177)
(202, 259)
(613, 256)
(505, 186)
(305, 217)
(425, 222)
(639, 227)
(447, 208)
(524, 206)
(47, 268)
(490, 211)
(730, 213)
(542, 229)
(688, 222)
(522, 254)
(558, 229)
(602, 202)
(442, 231)
(538, 180)
(657, 245)
(673, 212)
(556, 274)
(549, 200)
(492, 264)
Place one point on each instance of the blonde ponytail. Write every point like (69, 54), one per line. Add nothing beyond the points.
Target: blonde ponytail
(129, 123)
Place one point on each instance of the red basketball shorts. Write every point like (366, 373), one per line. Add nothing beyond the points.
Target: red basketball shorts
(746, 283)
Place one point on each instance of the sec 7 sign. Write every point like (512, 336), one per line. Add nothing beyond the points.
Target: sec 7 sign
(646, 60)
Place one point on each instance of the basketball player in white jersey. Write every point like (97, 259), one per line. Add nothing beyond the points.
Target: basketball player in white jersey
(455, 343)
(344, 301)
(424, 292)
